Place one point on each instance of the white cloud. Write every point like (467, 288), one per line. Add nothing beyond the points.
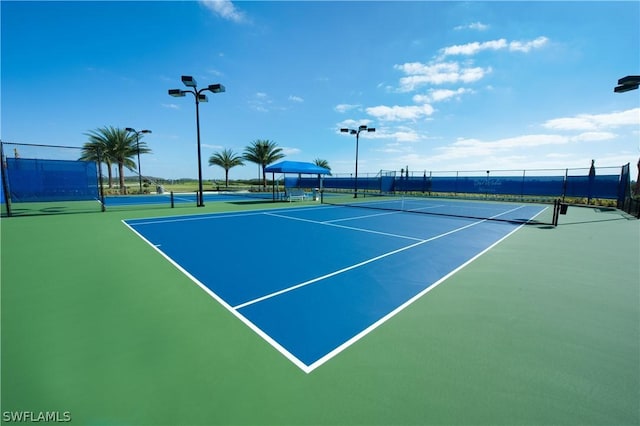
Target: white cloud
(406, 136)
(464, 148)
(400, 134)
(518, 46)
(479, 26)
(439, 95)
(400, 113)
(290, 151)
(205, 145)
(438, 71)
(390, 150)
(420, 74)
(500, 44)
(594, 136)
(342, 108)
(475, 47)
(261, 102)
(215, 72)
(171, 106)
(294, 98)
(352, 124)
(225, 9)
(588, 122)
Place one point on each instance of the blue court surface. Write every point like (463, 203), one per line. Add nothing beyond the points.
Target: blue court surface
(312, 281)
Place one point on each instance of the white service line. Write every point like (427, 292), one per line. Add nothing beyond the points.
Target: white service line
(352, 228)
(210, 216)
(361, 217)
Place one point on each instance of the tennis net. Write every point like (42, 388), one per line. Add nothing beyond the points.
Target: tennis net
(523, 213)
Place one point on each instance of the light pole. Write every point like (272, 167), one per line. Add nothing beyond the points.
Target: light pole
(362, 128)
(625, 84)
(132, 130)
(178, 93)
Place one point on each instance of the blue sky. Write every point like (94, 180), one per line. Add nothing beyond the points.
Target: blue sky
(448, 85)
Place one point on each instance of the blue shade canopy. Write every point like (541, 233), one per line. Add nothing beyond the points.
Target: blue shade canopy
(297, 167)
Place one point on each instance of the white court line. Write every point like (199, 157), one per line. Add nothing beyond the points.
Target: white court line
(206, 216)
(357, 265)
(352, 228)
(329, 275)
(189, 200)
(384, 214)
(361, 217)
(211, 216)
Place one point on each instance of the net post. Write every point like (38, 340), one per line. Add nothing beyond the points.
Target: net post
(556, 211)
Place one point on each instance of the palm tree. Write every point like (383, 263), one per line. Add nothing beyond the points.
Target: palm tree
(321, 163)
(226, 159)
(263, 153)
(97, 151)
(119, 147)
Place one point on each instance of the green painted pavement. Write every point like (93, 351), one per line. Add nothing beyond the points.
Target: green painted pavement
(543, 329)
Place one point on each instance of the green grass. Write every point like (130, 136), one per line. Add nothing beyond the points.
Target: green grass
(543, 329)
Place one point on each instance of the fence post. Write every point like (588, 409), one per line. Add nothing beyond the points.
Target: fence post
(5, 183)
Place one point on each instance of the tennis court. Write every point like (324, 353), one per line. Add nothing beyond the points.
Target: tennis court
(327, 276)
(540, 329)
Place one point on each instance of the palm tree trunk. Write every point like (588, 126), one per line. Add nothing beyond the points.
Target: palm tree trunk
(110, 174)
(264, 178)
(226, 178)
(123, 189)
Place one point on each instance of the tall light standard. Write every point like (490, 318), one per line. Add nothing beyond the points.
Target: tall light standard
(625, 84)
(132, 130)
(362, 128)
(178, 93)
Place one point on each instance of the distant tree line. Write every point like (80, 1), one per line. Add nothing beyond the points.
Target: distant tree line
(111, 145)
(260, 152)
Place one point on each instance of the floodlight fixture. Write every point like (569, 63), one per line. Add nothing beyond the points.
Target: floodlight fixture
(189, 81)
(630, 79)
(216, 88)
(344, 130)
(371, 129)
(202, 98)
(176, 93)
(625, 88)
(625, 84)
